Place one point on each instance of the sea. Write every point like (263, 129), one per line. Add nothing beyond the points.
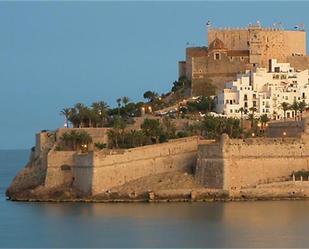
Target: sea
(156, 225)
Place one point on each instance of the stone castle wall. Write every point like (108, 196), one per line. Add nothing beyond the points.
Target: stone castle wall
(266, 42)
(233, 164)
(244, 48)
(97, 134)
(285, 129)
(98, 171)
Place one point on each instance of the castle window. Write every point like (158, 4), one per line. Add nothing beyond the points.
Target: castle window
(217, 56)
(231, 111)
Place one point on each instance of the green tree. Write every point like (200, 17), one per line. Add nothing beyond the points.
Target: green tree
(118, 105)
(151, 96)
(241, 110)
(302, 107)
(152, 129)
(252, 116)
(66, 112)
(285, 107)
(125, 100)
(100, 110)
(295, 108)
(168, 128)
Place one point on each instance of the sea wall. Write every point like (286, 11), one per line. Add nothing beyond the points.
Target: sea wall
(59, 168)
(233, 164)
(98, 171)
(127, 165)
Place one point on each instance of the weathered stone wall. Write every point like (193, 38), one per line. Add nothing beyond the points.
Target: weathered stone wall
(97, 134)
(43, 140)
(59, 168)
(237, 163)
(127, 165)
(98, 171)
(285, 129)
(265, 43)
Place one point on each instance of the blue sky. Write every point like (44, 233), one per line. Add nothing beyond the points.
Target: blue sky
(54, 54)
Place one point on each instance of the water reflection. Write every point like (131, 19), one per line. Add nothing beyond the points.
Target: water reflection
(244, 224)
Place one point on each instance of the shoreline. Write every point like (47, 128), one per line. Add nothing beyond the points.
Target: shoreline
(164, 196)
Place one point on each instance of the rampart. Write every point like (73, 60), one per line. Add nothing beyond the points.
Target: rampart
(234, 164)
(99, 171)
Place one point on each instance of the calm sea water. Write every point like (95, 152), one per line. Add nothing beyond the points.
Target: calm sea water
(239, 224)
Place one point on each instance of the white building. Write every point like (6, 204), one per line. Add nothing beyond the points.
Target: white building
(264, 90)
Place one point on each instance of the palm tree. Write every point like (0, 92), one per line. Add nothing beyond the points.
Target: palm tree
(241, 110)
(119, 105)
(125, 100)
(301, 107)
(151, 96)
(66, 113)
(264, 119)
(100, 109)
(295, 108)
(81, 113)
(253, 110)
(285, 106)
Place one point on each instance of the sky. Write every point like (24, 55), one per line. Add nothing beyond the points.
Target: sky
(55, 54)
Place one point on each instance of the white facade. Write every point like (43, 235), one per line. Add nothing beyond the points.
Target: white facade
(264, 90)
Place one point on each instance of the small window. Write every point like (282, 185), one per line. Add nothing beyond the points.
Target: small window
(217, 56)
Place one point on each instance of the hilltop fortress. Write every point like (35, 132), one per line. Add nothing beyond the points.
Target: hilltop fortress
(228, 169)
(231, 51)
(262, 163)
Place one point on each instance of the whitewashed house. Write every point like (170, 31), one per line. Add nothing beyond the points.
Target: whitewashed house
(265, 90)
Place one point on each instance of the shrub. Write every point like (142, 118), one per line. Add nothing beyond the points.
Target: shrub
(182, 134)
(163, 138)
(100, 146)
(303, 173)
(58, 148)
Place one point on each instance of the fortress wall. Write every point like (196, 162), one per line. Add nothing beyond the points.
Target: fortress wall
(295, 42)
(291, 129)
(233, 39)
(111, 170)
(56, 174)
(42, 141)
(237, 163)
(97, 134)
(83, 172)
(299, 62)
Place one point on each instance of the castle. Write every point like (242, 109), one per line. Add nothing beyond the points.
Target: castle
(231, 51)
